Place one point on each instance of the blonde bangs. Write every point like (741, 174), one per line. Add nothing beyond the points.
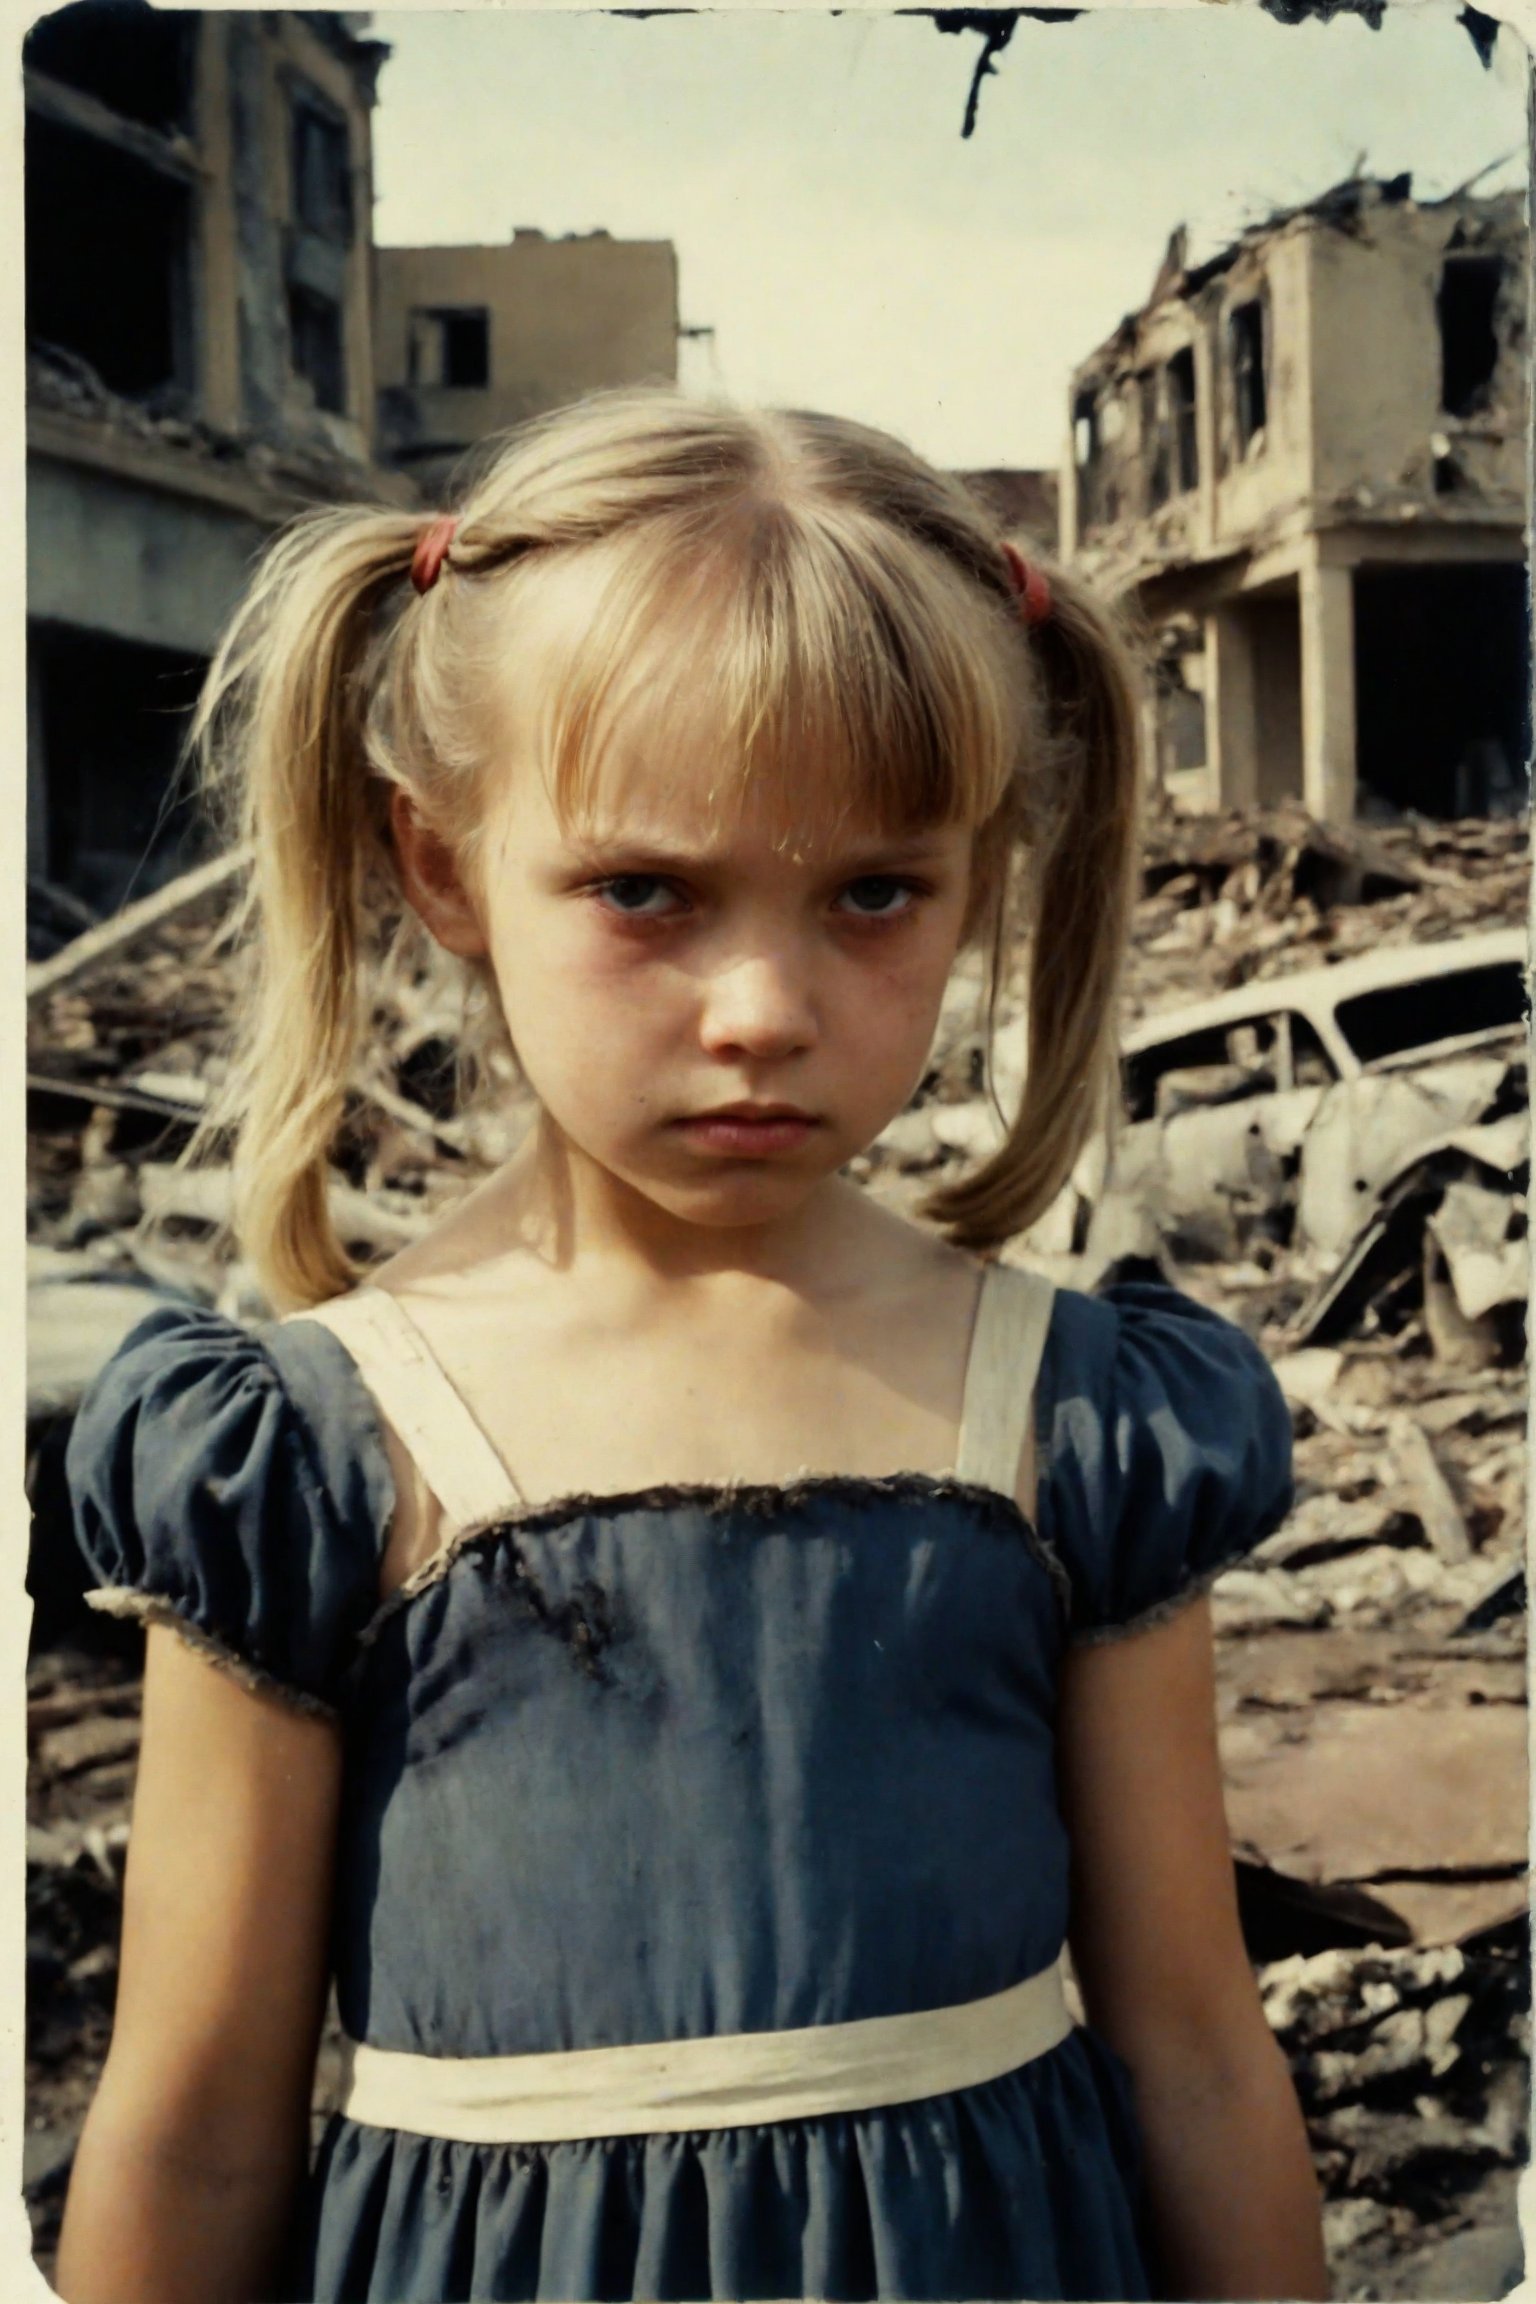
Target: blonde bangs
(798, 661)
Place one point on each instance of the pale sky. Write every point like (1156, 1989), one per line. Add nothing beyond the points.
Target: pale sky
(849, 249)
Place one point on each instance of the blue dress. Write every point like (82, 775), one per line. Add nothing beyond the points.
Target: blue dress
(648, 1767)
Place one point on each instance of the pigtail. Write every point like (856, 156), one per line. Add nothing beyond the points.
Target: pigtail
(279, 742)
(1079, 869)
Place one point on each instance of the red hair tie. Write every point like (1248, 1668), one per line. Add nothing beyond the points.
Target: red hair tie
(1029, 583)
(431, 551)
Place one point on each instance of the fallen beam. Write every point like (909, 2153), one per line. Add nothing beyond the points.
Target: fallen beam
(78, 957)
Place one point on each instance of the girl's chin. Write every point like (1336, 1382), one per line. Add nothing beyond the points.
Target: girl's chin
(730, 1200)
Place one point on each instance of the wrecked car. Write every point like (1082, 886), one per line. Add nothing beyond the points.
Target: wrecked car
(1291, 1105)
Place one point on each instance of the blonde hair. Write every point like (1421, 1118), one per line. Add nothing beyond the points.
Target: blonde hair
(844, 603)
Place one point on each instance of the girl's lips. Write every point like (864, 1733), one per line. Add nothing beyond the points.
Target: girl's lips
(737, 1133)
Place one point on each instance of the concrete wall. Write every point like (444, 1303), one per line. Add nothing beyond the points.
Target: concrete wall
(1376, 370)
(1258, 488)
(258, 62)
(566, 317)
(136, 562)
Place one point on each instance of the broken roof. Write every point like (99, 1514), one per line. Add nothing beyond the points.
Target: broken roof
(1342, 207)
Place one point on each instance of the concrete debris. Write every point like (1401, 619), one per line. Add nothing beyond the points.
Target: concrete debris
(1416, 2111)
(1251, 894)
(1488, 1260)
(1365, 1132)
(1436, 1507)
(1368, 1226)
(126, 1049)
(82, 954)
(1502, 1595)
(72, 1328)
(66, 384)
(1308, 1379)
(1327, 1802)
(1398, 1262)
(1259, 1600)
(1282, 1916)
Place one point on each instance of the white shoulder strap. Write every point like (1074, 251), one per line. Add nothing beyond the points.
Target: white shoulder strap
(432, 1418)
(1006, 1343)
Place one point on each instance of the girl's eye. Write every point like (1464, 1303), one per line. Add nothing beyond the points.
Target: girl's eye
(638, 896)
(879, 897)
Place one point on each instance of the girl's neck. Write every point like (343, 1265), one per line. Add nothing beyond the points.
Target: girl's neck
(554, 1205)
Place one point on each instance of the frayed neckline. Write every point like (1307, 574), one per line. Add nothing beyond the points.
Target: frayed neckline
(753, 1500)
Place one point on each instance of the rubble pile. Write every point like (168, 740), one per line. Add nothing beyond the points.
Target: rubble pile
(1370, 1230)
(1252, 893)
(124, 1052)
(312, 468)
(1413, 2101)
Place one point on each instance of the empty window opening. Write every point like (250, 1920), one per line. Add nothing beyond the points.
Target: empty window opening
(1402, 1018)
(1311, 1064)
(1449, 478)
(314, 329)
(450, 345)
(1442, 687)
(135, 58)
(1185, 729)
(1469, 343)
(322, 169)
(1154, 439)
(1250, 399)
(1274, 634)
(1085, 429)
(112, 718)
(1181, 413)
(1180, 719)
(1142, 1075)
(107, 244)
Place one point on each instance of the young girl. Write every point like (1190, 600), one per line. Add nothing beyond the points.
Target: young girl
(689, 1646)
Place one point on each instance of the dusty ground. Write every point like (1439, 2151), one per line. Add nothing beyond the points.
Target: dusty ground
(1371, 1659)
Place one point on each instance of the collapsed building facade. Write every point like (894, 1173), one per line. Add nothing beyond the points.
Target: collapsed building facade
(1026, 502)
(200, 366)
(1301, 466)
(473, 339)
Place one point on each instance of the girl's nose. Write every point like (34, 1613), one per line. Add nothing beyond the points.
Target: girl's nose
(760, 1006)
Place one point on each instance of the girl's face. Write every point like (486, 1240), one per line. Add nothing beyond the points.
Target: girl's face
(715, 1015)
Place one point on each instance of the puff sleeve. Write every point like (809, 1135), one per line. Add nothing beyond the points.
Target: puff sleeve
(1165, 1452)
(235, 1484)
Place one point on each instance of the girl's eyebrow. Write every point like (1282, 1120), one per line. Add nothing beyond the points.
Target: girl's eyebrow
(641, 855)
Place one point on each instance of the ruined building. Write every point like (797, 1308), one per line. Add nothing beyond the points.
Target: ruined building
(200, 365)
(1302, 465)
(470, 340)
(1027, 503)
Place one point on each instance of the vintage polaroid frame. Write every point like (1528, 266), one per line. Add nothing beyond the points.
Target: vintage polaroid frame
(445, 344)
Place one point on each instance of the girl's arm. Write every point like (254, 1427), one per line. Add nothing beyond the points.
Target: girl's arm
(1165, 1976)
(199, 2132)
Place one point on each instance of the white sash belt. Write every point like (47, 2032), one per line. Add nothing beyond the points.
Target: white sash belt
(735, 2080)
